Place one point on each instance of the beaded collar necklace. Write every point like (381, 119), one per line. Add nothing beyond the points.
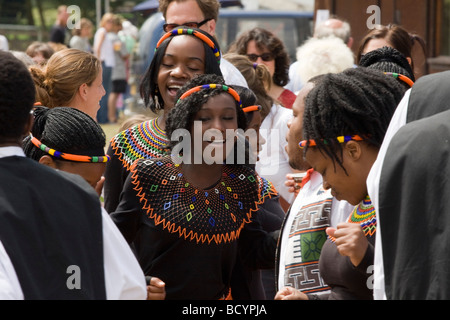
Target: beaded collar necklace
(146, 140)
(365, 215)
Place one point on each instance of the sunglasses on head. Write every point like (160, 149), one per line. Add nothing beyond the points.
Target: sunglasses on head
(170, 26)
(267, 56)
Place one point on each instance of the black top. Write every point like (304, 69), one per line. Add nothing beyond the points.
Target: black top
(143, 141)
(186, 236)
(51, 228)
(346, 281)
(413, 196)
(414, 210)
(58, 34)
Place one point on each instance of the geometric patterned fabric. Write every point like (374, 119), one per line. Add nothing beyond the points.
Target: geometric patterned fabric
(306, 238)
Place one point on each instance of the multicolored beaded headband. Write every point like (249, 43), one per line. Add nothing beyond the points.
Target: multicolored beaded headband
(68, 156)
(401, 77)
(340, 139)
(213, 86)
(180, 31)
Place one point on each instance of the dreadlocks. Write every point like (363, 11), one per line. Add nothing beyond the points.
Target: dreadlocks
(388, 59)
(358, 101)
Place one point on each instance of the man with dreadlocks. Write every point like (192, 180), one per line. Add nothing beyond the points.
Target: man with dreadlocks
(345, 120)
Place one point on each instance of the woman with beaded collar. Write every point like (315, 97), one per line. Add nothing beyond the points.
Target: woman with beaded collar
(185, 217)
(180, 55)
(345, 120)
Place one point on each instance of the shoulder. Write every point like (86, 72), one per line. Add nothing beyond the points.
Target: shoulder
(154, 169)
(252, 180)
(48, 180)
(278, 117)
(231, 74)
(420, 133)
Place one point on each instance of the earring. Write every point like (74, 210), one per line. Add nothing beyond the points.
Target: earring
(157, 106)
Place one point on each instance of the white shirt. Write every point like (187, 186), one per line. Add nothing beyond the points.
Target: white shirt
(4, 43)
(231, 74)
(124, 279)
(273, 163)
(373, 182)
(295, 83)
(106, 49)
(340, 211)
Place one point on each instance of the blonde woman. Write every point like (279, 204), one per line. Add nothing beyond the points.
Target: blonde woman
(71, 78)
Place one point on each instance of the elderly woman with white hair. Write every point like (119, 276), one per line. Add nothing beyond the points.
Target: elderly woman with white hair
(320, 56)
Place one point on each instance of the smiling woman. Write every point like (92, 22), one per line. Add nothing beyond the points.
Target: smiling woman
(71, 78)
(185, 219)
(181, 55)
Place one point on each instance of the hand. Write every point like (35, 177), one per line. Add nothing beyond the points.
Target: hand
(293, 186)
(350, 241)
(99, 186)
(289, 293)
(156, 290)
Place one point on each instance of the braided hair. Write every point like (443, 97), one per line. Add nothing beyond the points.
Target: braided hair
(388, 59)
(248, 98)
(358, 101)
(67, 130)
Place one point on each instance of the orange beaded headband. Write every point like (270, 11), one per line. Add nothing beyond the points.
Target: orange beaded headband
(212, 86)
(68, 156)
(340, 139)
(180, 31)
(401, 77)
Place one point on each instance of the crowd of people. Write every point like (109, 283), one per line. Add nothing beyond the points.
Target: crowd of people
(202, 200)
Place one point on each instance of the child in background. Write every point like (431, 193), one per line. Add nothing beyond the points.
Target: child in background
(119, 71)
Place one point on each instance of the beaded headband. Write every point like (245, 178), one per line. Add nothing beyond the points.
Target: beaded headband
(213, 86)
(401, 77)
(252, 108)
(68, 156)
(340, 139)
(180, 31)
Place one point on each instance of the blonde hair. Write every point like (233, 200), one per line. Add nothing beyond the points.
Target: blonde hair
(84, 23)
(107, 17)
(258, 79)
(58, 82)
